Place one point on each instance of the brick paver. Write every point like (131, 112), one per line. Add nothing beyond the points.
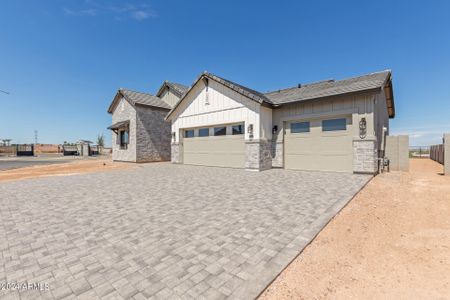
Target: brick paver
(162, 230)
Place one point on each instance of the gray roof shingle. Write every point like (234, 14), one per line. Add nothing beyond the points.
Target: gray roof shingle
(143, 99)
(318, 90)
(178, 88)
(329, 88)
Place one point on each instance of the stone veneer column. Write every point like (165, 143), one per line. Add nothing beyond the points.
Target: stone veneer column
(365, 156)
(258, 155)
(176, 153)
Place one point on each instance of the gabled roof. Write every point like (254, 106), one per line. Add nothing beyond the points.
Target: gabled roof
(178, 88)
(328, 88)
(313, 91)
(245, 91)
(137, 98)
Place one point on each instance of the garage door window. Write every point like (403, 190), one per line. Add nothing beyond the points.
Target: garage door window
(300, 127)
(189, 133)
(237, 129)
(220, 131)
(334, 124)
(203, 132)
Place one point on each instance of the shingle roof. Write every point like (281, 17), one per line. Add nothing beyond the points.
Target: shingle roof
(329, 88)
(134, 98)
(144, 99)
(178, 88)
(181, 88)
(252, 94)
(318, 90)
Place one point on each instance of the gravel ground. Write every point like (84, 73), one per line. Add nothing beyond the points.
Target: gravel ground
(58, 167)
(392, 241)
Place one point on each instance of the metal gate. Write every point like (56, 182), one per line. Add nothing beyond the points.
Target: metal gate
(25, 150)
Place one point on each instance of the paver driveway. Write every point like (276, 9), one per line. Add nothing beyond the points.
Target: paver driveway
(169, 231)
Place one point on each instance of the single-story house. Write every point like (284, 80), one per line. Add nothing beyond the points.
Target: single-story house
(140, 133)
(331, 125)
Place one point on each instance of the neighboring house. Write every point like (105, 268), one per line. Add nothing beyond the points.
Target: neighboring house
(140, 133)
(324, 126)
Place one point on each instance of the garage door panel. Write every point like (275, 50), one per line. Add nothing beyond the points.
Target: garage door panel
(228, 151)
(319, 151)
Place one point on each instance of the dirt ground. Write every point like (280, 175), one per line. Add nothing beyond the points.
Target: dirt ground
(392, 241)
(63, 169)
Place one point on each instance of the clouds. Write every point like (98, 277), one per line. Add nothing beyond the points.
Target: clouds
(136, 10)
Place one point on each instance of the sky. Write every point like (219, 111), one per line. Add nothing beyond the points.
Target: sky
(62, 61)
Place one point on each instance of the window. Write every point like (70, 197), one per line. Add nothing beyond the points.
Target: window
(123, 139)
(237, 129)
(203, 132)
(334, 124)
(300, 127)
(189, 133)
(220, 131)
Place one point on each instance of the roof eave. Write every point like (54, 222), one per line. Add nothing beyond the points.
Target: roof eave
(211, 76)
(116, 99)
(371, 90)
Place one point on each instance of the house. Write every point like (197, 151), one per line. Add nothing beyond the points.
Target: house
(140, 133)
(331, 125)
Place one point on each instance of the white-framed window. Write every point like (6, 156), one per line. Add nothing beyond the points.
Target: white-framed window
(123, 139)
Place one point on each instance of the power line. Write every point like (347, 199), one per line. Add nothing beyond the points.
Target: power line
(7, 93)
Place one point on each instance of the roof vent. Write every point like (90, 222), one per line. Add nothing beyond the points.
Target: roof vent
(299, 85)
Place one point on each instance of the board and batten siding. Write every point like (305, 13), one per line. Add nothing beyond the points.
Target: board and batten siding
(124, 112)
(358, 106)
(381, 117)
(223, 106)
(169, 97)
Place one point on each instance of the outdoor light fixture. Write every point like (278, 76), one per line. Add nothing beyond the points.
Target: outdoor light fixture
(173, 136)
(274, 129)
(362, 128)
(250, 130)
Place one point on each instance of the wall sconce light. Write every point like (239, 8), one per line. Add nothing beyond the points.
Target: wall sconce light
(173, 136)
(274, 129)
(362, 128)
(250, 130)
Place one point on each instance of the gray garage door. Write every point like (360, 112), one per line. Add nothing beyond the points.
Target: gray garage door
(224, 150)
(319, 145)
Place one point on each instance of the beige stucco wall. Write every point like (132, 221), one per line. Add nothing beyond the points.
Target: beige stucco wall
(123, 112)
(397, 151)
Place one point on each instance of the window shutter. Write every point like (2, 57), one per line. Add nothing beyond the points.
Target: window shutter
(118, 137)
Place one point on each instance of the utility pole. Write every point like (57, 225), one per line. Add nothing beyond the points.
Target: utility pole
(35, 137)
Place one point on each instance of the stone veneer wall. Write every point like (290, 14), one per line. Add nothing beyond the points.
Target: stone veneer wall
(365, 156)
(124, 112)
(258, 155)
(277, 154)
(152, 135)
(176, 153)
